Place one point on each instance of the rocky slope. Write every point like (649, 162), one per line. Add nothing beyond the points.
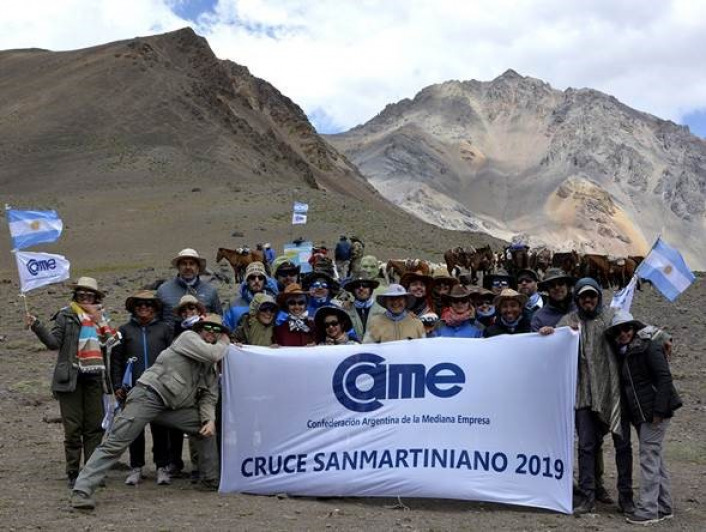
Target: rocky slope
(153, 144)
(519, 159)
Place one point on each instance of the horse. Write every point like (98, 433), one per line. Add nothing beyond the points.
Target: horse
(540, 261)
(458, 257)
(597, 267)
(239, 259)
(396, 268)
(516, 259)
(569, 261)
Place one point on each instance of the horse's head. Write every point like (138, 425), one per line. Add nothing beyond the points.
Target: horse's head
(220, 256)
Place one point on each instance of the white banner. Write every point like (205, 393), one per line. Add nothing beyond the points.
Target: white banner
(39, 269)
(489, 420)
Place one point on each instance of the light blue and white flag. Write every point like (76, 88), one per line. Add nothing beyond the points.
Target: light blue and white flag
(298, 219)
(665, 268)
(29, 228)
(301, 208)
(39, 269)
(622, 300)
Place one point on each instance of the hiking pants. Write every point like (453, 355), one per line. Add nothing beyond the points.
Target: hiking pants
(142, 406)
(655, 486)
(81, 415)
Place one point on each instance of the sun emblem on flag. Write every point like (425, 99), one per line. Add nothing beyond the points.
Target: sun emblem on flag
(668, 269)
(35, 225)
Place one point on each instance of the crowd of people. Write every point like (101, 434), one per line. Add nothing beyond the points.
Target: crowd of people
(161, 365)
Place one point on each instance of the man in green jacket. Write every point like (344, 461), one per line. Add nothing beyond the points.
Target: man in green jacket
(180, 390)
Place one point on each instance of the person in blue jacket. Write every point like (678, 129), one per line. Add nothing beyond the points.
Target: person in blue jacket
(458, 318)
(256, 282)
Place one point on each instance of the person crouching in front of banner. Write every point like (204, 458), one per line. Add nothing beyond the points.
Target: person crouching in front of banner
(80, 377)
(179, 390)
(144, 337)
(332, 325)
(511, 320)
(397, 322)
(257, 327)
(651, 401)
(297, 329)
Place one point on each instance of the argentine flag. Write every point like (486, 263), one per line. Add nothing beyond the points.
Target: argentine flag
(665, 268)
(29, 228)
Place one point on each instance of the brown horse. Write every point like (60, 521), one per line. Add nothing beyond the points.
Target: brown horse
(458, 257)
(569, 261)
(516, 259)
(239, 259)
(396, 268)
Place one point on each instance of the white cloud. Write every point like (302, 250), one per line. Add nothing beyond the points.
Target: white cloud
(345, 60)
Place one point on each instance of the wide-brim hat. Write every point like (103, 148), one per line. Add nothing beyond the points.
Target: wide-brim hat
(395, 290)
(210, 319)
(622, 317)
(509, 294)
(362, 279)
(188, 299)
(528, 272)
(554, 274)
(310, 277)
(408, 277)
(342, 315)
(458, 292)
(283, 263)
(478, 292)
(143, 295)
(291, 290)
(189, 253)
(442, 275)
(87, 283)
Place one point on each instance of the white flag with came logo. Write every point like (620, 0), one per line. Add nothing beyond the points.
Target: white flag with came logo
(39, 269)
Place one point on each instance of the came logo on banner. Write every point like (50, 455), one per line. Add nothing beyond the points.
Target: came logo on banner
(34, 267)
(362, 381)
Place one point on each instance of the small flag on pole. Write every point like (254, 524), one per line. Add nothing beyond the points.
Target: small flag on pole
(622, 300)
(29, 228)
(665, 268)
(39, 269)
(298, 219)
(301, 208)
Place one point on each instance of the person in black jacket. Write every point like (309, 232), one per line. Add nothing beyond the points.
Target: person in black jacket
(510, 320)
(651, 400)
(144, 337)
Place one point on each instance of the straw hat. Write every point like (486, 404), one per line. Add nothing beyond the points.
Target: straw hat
(510, 294)
(142, 295)
(291, 290)
(87, 283)
(189, 253)
(442, 275)
(188, 299)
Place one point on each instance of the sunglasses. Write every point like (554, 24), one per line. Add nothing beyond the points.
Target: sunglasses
(268, 309)
(300, 302)
(588, 295)
(319, 284)
(334, 323)
(525, 280)
(212, 328)
(288, 273)
(82, 293)
(144, 304)
(257, 277)
(501, 283)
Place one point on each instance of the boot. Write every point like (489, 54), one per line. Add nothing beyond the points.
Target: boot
(587, 506)
(626, 504)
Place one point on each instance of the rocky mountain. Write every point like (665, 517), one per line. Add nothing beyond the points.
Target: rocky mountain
(521, 160)
(153, 144)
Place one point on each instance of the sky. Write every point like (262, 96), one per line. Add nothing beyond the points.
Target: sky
(343, 61)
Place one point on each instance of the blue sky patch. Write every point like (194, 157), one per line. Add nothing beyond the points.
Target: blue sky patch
(192, 9)
(696, 120)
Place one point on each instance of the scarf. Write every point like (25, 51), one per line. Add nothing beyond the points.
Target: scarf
(510, 325)
(299, 323)
(91, 334)
(364, 304)
(188, 323)
(535, 300)
(454, 319)
(486, 313)
(396, 317)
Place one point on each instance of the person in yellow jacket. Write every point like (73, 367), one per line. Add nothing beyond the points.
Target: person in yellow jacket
(396, 323)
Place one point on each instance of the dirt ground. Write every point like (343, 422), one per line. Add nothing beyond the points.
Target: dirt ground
(34, 493)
